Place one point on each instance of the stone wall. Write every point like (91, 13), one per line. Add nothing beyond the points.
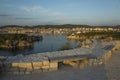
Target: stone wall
(104, 58)
(44, 64)
(81, 63)
(31, 67)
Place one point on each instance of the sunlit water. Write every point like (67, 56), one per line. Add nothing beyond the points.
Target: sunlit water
(48, 44)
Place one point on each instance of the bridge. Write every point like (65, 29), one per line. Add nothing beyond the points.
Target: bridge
(97, 54)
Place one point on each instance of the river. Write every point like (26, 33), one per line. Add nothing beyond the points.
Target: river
(48, 44)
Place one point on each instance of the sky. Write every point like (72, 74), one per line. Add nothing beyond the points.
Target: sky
(55, 12)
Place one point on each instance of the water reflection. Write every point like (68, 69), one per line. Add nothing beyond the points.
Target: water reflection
(48, 44)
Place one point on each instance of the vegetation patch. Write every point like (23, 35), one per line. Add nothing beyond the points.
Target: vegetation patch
(16, 40)
(93, 35)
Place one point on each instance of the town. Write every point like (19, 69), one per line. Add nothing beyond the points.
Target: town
(56, 29)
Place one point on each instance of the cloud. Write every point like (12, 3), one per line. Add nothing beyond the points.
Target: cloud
(5, 15)
(34, 9)
(39, 15)
(42, 12)
(25, 18)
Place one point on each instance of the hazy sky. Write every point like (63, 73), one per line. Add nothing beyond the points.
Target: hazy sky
(37, 12)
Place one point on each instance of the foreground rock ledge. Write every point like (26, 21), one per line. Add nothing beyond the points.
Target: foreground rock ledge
(98, 54)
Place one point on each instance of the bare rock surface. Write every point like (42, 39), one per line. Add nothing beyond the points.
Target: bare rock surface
(95, 50)
(109, 71)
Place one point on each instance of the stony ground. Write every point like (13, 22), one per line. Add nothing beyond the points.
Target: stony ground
(113, 67)
(110, 71)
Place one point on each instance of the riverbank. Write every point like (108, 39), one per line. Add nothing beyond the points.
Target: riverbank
(10, 41)
(109, 71)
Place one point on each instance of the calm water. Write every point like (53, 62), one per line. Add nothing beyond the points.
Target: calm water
(48, 44)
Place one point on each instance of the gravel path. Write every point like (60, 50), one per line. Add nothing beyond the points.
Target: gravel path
(110, 71)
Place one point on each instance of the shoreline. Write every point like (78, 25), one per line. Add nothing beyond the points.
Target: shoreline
(45, 62)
